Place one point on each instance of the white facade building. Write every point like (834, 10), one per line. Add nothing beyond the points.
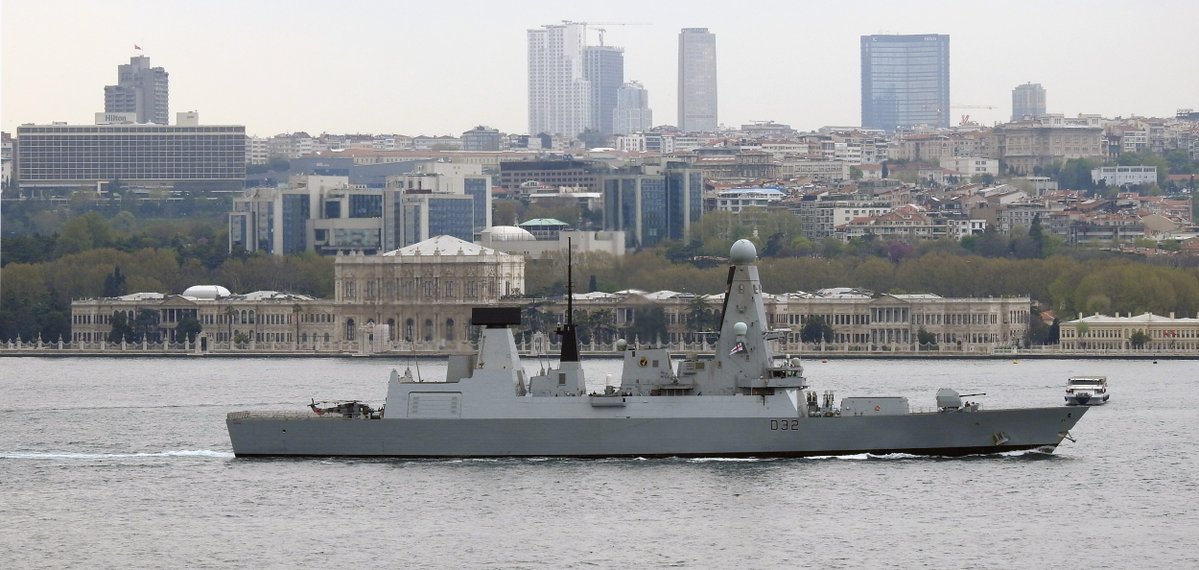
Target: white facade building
(1122, 175)
(737, 199)
(971, 165)
(515, 240)
(829, 170)
(559, 93)
(257, 150)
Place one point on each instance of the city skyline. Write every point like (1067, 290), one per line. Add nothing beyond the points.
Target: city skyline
(372, 67)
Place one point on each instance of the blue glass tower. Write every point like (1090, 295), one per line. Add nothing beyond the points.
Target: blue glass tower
(905, 81)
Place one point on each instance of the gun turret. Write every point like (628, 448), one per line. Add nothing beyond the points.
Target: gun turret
(949, 399)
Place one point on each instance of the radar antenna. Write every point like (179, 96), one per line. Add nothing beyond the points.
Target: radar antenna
(570, 340)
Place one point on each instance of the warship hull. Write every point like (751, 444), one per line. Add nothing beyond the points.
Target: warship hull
(739, 401)
(636, 435)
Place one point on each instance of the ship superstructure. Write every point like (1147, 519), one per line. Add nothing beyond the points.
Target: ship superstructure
(741, 401)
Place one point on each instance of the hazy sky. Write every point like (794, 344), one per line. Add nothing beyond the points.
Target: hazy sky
(442, 67)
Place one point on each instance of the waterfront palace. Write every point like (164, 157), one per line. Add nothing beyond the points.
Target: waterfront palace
(418, 298)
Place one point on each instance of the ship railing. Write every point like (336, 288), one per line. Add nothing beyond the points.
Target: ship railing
(290, 415)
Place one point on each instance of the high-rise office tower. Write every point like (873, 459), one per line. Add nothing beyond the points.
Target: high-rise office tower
(632, 113)
(697, 80)
(905, 81)
(140, 89)
(1028, 100)
(559, 93)
(603, 67)
(653, 203)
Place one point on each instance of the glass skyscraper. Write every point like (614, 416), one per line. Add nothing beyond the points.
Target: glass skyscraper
(652, 204)
(1028, 100)
(697, 80)
(905, 81)
(632, 113)
(603, 66)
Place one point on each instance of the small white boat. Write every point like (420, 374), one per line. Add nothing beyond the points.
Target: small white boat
(1086, 391)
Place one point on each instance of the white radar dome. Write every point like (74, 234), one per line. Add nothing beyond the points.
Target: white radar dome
(740, 328)
(743, 252)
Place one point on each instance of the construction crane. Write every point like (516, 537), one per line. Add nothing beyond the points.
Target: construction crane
(602, 31)
(957, 106)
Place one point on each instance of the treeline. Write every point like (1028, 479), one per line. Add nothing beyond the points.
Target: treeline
(190, 239)
(1068, 285)
(1075, 173)
(124, 213)
(36, 297)
(94, 257)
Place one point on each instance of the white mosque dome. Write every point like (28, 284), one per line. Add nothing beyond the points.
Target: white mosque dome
(206, 292)
(509, 233)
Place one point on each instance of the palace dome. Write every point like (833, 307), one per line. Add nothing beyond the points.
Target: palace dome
(509, 233)
(206, 292)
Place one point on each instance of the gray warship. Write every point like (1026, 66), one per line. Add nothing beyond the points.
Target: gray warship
(741, 401)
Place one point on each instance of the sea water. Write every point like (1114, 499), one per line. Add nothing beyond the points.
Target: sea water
(125, 462)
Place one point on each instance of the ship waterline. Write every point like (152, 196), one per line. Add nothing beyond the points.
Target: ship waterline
(624, 434)
(740, 401)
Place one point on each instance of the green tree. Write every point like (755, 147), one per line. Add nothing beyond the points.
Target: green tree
(1075, 174)
(1139, 339)
(124, 223)
(592, 138)
(816, 330)
(114, 283)
(855, 173)
(985, 179)
(1146, 159)
(1037, 234)
(701, 316)
(52, 318)
(991, 243)
(875, 274)
(1038, 332)
(84, 232)
(649, 325)
(1178, 161)
(24, 289)
(563, 209)
(188, 327)
(145, 326)
(121, 329)
(505, 212)
(598, 326)
(927, 340)
(1084, 331)
(33, 248)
